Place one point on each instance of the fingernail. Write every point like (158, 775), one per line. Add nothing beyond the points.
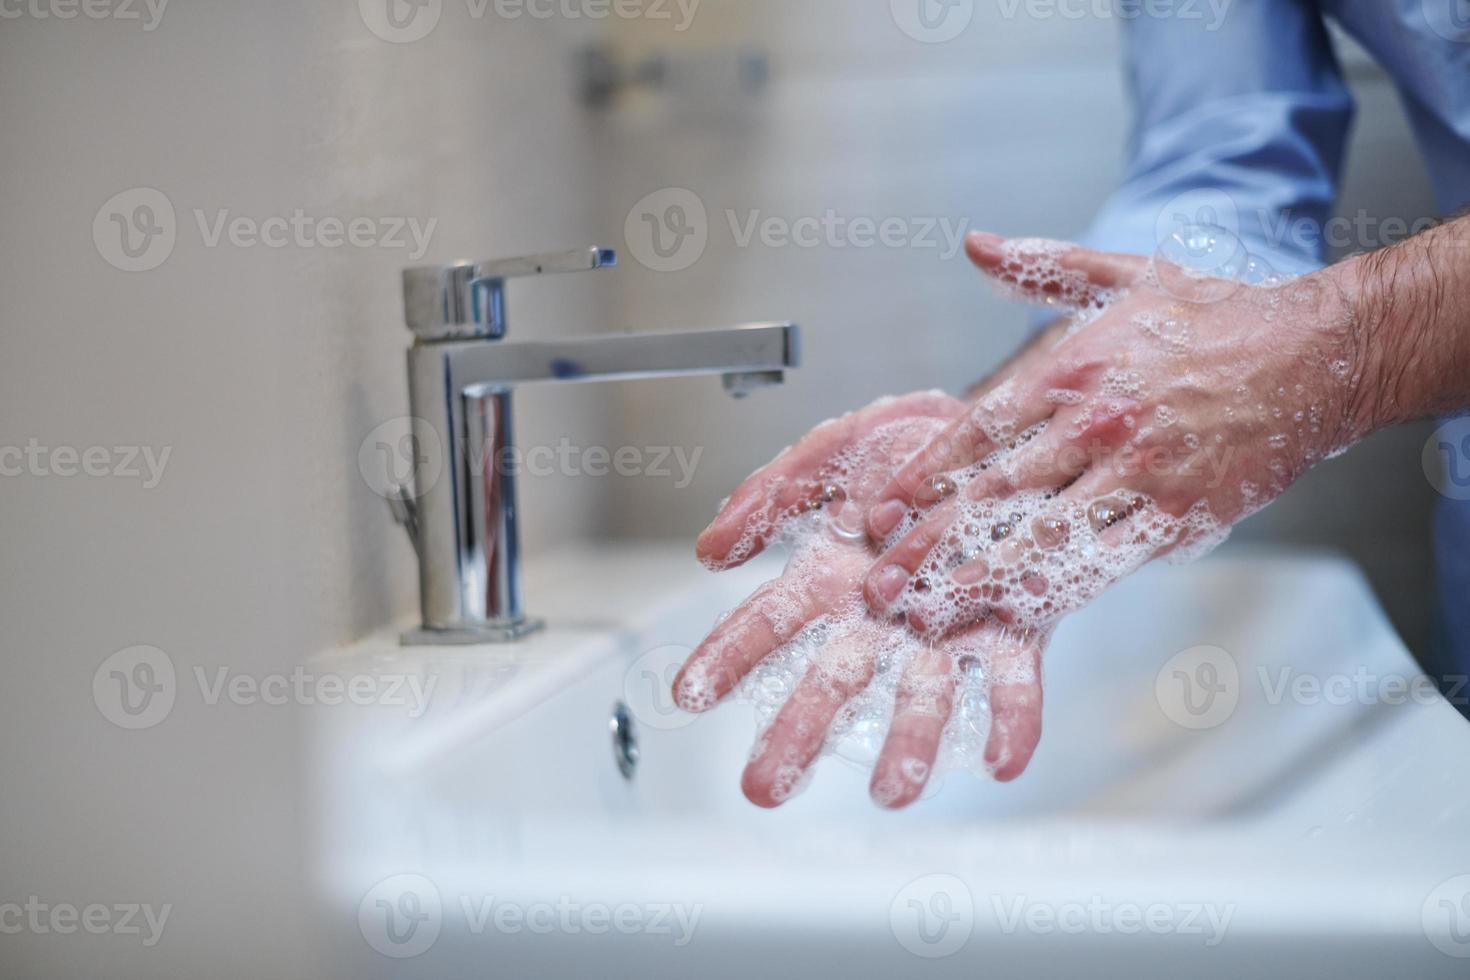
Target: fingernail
(988, 244)
(890, 582)
(885, 517)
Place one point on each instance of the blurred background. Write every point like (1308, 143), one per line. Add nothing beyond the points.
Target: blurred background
(263, 369)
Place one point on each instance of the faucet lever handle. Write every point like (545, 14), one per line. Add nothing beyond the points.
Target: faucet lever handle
(463, 300)
(575, 260)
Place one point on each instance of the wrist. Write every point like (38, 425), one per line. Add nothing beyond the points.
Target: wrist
(1407, 310)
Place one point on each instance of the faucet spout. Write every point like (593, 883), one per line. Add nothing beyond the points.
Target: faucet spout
(463, 515)
(749, 349)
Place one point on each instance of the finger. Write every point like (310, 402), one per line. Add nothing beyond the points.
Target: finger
(751, 516)
(1063, 454)
(921, 709)
(1071, 444)
(994, 422)
(1045, 271)
(1103, 503)
(786, 750)
(890, 574)
(768, 619)
(1015, 702)
(1014, 582)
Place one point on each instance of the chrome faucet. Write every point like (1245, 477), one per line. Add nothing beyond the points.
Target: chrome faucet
(460, 378)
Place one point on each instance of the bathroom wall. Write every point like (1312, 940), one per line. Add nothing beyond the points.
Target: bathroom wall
(260, 371)
(1015, 125)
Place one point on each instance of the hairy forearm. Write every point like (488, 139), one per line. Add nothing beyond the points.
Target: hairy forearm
(1410, 307)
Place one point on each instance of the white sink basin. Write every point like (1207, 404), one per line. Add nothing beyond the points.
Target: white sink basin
(1282, 829)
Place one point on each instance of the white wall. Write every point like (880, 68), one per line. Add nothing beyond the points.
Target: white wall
(261, 370)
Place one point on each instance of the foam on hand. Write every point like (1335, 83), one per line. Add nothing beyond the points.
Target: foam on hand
(1008, 567)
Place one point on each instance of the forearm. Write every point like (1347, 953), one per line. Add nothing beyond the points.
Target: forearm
(1410, 317)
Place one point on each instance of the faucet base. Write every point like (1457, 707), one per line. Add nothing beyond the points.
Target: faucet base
(423, 636)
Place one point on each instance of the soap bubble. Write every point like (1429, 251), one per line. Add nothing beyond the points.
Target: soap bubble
(1201, 263)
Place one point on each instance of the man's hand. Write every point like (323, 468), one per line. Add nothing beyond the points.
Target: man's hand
(1155, 422)
(823, 581)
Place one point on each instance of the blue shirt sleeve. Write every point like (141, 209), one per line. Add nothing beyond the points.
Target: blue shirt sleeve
(1239, 123)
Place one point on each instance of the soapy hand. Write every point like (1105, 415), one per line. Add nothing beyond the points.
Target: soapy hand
(1172, 407)
(809, 630)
